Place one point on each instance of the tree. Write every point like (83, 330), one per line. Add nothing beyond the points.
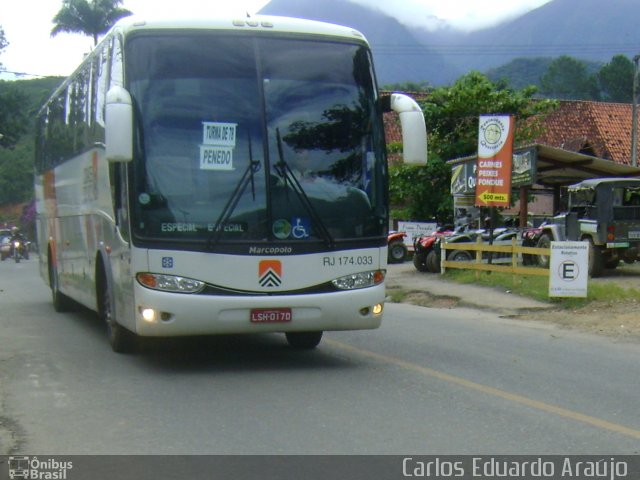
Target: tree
(451, 114)
(20, 101)
(408, 87)
(3, 44)
(13, 118)
(89, 17)
(421, 193)
(616, 80)
(520, 72)
(568, 78)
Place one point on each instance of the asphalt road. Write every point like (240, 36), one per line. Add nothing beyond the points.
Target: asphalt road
(430, 381)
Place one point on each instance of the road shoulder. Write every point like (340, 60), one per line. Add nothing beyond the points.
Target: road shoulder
(618, 319)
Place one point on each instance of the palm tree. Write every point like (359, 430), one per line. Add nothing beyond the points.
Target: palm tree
(89, 17)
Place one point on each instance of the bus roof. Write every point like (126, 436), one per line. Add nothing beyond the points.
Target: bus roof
(255, 23)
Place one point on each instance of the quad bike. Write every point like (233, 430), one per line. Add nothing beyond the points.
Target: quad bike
(397, 249)
(426, 250)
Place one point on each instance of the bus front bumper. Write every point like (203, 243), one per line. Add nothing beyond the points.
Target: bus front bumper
(173, 314)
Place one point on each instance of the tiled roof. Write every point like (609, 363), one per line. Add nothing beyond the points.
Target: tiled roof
(599, 129)
(595, 128)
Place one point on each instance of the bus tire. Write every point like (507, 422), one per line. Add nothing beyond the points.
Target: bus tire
(120, 339)
(303, 340)
(61, 303)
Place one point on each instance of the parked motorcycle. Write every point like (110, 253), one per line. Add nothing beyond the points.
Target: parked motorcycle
(397, 251)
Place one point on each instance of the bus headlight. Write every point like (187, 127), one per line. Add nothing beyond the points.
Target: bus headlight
(170, 283)
(359, 280)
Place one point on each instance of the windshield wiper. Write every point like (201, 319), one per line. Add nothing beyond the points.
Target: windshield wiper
(232, 203)
(283, 169)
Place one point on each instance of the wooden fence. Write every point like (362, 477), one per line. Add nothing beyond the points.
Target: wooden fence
(513, 265)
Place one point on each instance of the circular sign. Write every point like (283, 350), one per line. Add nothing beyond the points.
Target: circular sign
(281, 229)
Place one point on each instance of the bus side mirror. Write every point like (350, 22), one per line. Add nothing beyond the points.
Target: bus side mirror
(119, 125)
(414, 130)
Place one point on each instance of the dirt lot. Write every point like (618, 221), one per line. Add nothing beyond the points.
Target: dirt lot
(620, 319)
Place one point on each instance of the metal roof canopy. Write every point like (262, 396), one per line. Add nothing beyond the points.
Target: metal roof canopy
(562, 167)
(558, 167)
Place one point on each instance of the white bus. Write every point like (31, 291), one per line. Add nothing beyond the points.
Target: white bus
(220, 177)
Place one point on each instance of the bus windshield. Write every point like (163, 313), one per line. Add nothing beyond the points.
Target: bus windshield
(254, 139)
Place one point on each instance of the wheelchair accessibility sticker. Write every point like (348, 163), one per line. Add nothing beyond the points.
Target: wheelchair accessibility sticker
(298, 228)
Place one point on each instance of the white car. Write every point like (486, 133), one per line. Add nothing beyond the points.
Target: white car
(5, 245)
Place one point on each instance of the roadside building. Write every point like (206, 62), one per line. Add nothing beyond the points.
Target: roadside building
(581, 140)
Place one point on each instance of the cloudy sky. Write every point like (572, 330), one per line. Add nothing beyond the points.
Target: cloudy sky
(27, 24)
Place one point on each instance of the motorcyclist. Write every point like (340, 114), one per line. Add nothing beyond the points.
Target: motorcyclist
(16, 235)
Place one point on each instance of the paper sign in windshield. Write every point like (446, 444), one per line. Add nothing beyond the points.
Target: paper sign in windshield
(218, 143)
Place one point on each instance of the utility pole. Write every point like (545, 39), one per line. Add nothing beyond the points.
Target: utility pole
(634, 116)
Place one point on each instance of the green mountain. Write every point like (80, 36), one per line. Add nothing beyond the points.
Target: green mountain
(584, 29)
(398, 55)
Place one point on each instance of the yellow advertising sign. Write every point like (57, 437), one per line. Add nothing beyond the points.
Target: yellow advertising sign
(495, 150)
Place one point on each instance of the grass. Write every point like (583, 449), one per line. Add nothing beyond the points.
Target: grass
(537, 287)
(396, 295)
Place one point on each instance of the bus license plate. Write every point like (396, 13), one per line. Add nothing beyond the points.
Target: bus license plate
(271, 315)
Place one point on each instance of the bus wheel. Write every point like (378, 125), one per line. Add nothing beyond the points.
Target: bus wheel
(61, 303)
(120, 339)
(304, 340)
